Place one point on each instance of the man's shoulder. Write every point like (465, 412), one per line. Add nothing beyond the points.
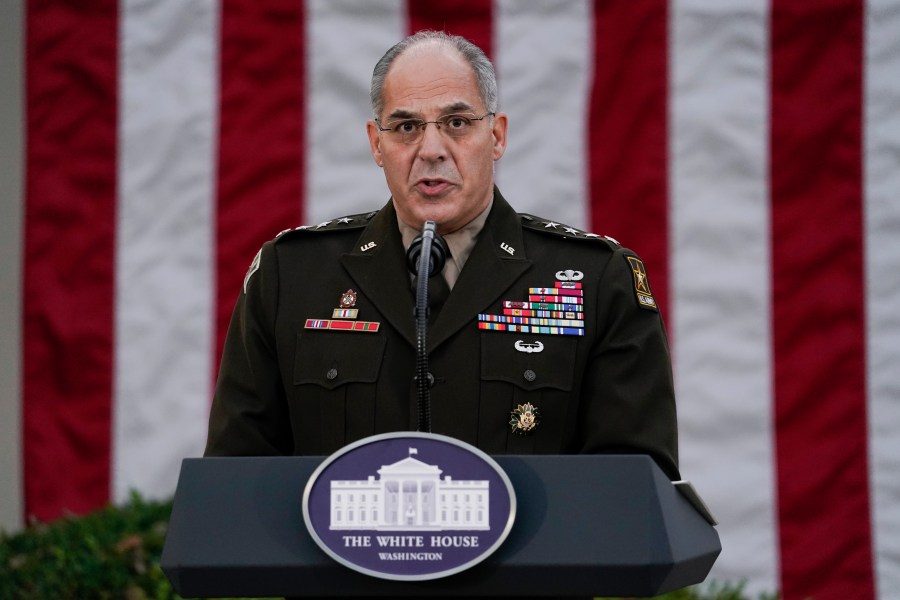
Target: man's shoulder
(555, 230)
(346, 223)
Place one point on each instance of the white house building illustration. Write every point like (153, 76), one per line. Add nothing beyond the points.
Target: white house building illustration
(410, 495)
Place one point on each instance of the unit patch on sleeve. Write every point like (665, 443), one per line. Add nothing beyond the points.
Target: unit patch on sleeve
(641, 284)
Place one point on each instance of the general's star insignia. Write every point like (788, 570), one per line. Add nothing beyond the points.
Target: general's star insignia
(549, 224)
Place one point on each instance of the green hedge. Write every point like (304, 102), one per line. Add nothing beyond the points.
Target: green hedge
(114, 554)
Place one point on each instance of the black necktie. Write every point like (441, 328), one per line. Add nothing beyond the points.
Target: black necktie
(438, 291)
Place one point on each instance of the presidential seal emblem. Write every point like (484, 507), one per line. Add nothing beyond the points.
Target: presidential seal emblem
(409, 506)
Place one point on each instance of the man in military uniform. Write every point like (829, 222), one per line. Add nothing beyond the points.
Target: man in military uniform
(549, 341)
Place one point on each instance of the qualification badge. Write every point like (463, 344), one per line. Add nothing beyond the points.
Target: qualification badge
(524, 418)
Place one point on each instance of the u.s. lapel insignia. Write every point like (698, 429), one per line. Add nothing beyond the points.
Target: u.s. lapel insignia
(641, 284)
(524, 419)
(343, 317)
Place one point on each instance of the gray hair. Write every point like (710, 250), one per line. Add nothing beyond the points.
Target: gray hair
(475, 56)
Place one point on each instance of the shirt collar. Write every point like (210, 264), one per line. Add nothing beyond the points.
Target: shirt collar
(461, 242)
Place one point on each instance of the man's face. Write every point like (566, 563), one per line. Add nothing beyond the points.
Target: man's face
(448, 180)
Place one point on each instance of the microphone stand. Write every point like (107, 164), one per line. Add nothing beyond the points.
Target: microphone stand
(430, 258)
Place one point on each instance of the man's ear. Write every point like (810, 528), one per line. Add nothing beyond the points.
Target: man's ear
(374, 142)
(499, 132)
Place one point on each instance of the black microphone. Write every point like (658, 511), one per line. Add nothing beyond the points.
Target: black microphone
(437, 255)
(426, 257)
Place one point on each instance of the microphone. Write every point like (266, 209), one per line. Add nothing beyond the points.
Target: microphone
(426, 256)
(437, 255)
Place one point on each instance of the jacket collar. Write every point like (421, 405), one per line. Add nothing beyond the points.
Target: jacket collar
(497, 261)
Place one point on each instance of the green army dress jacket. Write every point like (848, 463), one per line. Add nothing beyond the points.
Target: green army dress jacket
(290, 386)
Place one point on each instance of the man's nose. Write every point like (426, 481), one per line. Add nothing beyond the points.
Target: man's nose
(433, 145)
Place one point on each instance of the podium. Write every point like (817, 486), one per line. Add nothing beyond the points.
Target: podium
(586, 525)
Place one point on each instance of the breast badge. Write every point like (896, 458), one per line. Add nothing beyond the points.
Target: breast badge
(524, 419)
(343, 318)
(529, 348)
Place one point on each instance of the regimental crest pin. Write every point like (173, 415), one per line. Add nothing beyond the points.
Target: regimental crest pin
(524, 419)
(348, 299)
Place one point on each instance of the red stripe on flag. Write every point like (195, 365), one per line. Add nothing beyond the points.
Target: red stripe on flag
(472, 19)
(261, 158)
(628, 161)
(818, 305)
(69, 286)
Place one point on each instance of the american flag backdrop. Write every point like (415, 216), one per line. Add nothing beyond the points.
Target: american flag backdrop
(749, 150)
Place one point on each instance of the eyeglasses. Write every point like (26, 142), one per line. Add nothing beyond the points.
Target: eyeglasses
(410, 131)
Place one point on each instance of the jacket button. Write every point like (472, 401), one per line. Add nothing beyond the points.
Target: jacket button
(331, 374)
(529, 375)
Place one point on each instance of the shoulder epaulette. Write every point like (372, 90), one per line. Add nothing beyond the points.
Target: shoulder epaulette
(344, 223)
(565, 231)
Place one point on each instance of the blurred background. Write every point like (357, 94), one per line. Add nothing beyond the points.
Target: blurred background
(749, 151)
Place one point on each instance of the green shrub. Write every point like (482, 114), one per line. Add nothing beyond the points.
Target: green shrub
(113, 554)
(109, 554)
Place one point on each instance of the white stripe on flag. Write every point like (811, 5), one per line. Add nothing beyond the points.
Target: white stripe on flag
(882, 212)
(12, 212)
(341, 177)
(721, 283)
(544, 88)
(164, 266)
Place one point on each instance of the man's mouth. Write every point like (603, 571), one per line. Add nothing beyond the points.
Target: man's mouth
(432, 187)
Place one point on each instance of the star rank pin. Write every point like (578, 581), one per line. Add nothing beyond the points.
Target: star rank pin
(343, 317)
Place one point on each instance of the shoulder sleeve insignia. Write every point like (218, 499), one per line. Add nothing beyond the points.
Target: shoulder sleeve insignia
(641, 284)
(254, 267)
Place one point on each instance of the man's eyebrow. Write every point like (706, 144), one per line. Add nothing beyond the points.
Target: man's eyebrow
(457, 107)
(401, 114)
(450, 109)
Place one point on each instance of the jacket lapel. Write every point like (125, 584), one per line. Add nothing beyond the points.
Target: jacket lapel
(380, 271)
(490, 270)
(378, 266)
